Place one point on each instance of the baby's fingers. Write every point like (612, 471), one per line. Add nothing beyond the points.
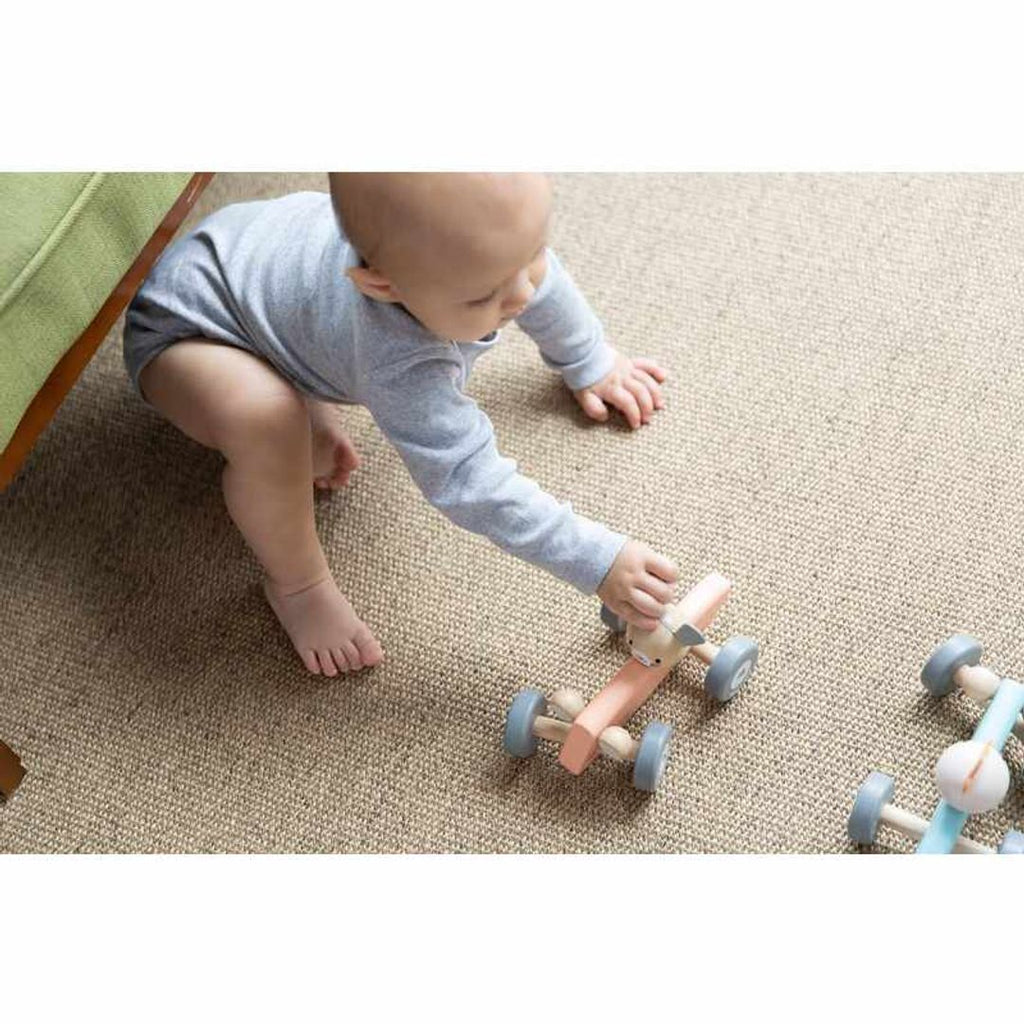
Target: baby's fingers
(637, 389)
(638, 618)
(650, 366)
(592, 405)
(658, 589)
(645, 604)
(626, 403)
(653, 387)
(660, 566)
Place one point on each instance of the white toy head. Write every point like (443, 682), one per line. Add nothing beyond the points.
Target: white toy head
(972, 776)
(658, 648)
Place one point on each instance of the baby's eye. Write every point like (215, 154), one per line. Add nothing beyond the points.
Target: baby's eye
(483, 302)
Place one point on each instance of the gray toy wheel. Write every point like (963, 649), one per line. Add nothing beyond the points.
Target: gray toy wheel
(939, 669)
(874, 793)
(1013, 842)
(733, 666)
(611, 620)
(519, 738)
(652, 756)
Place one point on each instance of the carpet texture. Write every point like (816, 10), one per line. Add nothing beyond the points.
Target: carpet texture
(841, 439)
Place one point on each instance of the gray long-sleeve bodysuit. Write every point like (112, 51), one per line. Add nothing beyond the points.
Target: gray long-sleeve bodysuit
(268, 277)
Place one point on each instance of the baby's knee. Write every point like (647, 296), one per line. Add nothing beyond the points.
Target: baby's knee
(270, 417)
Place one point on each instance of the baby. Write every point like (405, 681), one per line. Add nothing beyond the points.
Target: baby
(252, 328)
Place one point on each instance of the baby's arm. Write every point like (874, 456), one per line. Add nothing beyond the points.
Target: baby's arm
(571, 340)
(447, 443)
(566, 330)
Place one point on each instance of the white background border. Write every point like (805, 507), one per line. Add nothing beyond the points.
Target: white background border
(637, 86)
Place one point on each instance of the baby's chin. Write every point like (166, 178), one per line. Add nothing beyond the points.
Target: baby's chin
(461, 333)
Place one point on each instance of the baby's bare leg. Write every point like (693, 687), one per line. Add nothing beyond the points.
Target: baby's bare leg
(232, 401)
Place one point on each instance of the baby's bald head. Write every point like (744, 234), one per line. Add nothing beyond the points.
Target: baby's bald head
(419, 223)
(442, 238)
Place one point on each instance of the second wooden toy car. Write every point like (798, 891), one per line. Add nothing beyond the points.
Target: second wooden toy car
(972, 776)
(585, 730)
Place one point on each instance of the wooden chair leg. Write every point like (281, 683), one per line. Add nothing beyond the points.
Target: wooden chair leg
(11, 771)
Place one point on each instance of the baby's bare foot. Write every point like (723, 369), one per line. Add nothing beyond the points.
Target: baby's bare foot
(334, 457)
(324, 628)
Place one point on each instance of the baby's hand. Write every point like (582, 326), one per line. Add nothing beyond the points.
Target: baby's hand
(639, 585)
(633, 387)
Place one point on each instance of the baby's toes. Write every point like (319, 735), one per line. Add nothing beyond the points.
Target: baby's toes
(370, 652)
(327, 663)
(309, 660)
(345, 455)
(351, 655)
(341, 659)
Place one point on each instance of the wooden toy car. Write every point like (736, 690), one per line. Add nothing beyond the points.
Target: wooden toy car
(584, 730)
(972, 776)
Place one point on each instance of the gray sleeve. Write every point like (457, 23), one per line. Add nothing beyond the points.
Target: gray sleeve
(567, 331)
(447, 443)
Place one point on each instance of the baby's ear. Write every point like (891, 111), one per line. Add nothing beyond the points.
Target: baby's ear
(372, 283)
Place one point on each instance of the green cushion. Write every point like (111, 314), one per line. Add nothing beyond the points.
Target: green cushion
(65, 242)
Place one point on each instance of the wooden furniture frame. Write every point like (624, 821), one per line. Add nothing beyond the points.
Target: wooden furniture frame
(11, 771)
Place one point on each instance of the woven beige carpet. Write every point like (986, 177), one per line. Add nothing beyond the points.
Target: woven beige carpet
(842, 439)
